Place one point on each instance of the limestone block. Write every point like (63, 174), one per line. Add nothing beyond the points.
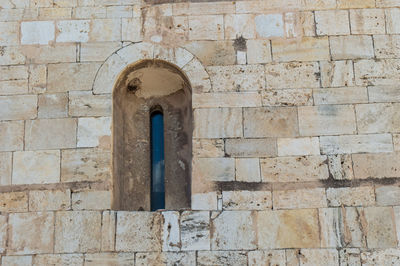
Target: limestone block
(53, 105)
(193, 8)
(341, 166)
(270, 122)
(396, 211)
(44, 134)
(367, 21)
(9, 32)
(356, 144)
(208, 148)
(77, 231)
(265, 147)
(71, 76)
(292, 25)
(119, 11)
(299, 199)
(236, 78)
(230, 99)
(15, 4)
(206, 27)
(355, 4)
(93, 12)
(380, 226)
(14, 202)
(102, 30)
(267, 257)
(5, 168)
(381, 257)
(37, 78)
(17, 260)
(277, 230)
(292, 75)
(387, 3)
(204, 201)
(107, 74)
(36, 167)
(44, 54)
(171, 235)
(73, 30)
(329, 219)
(294, 169)
(18, 107)
(379, 165)
(11, 135)
(392, 19)
(325, 26)
(350, 196)
(337, 73)
(55, 13)
(98, 51)
(13, 72)
(232, 126)
(308, 49)
(380, 72)
(139, 231)
(298, 146)
(108, 230)
(165, 258)
(177, 56)
(258, 51)
(31, 233)
(10, 87)
(263, 7)
(37, 32)
(326, 120)
(396, 142)
(270, 25)
(93, 132)
(3, 233)
(222, 258)
(214, 169)
(58, 259)
(289, 97)
(310, 257)
(387, 46)
(246, 200)
(97, 259)
(132, 29)
(11, 55)
(49, 200)
(65, 3)
(85, 165)
(378, 118)
(91, 200)
(353, 227)
(387, 195)
(307, 23)
(350, 256)
(248, 170)
(351, 47)
(195, 230)
(84, 103)
(341, 95)
(237, 25)
(41, 3)
(213, 53)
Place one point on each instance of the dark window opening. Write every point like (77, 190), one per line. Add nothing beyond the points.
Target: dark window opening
(157, 161)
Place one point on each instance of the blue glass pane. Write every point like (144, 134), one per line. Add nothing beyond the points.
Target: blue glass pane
(157, 162)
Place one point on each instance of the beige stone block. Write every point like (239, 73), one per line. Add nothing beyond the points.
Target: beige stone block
(108, 230)
(310, 257)
(237, 25)
(132, 29)
(384, 94)
(350, 196)
(341, 95)
(269, 25)
(170, 234)
(326, 120)
(329, 219)
(71, 77)
(337, 73)
(206, 27)
(58, 259)
(387, 195)
(3, 233)
(36, 167)
(213, 53)
(396, 211)
(85, 165)
(396, 142)
(73, 30)
(265, 147)
(378, 118)
(84, 103)
(77, 231)
(11, 135)
(232, 126)
(351, 47)
(258, 51)
(17, 14)
(380, 72)
(41, 3)
(37, 78)
(267, 257)
(9, 32)
(17, 260)
(356, 144)
(13, 72)
(214, 169)
(341, 166)
(195, 230)
(138, 231)
(105, 30)
(55, 13)
(231, 99)
(196, 8)
(388, 3)
(367, 21)
(308, 49)
(44, 54)
(65, 3)
(93, 12)
(18, 107)
(392, 16)
(100, 259)
(165, 258)
(204, 201)
(15, 4)
(379, 165)
(270, 122)
(222, 258)
(5, 168)
(381, 257)
(91, 200)
(246, 200)
(344, 4)
(94, 132)
(53, 105)
(236, 78)
(380, 226)
(248, 170)
(260, 6)
(49, 200)
(98, 51)
(119, 11)
(294, 169)
(31, 233)
(387, 46)
(292, 75)
(11, 55)
(38, 32)
(298, 146)
(307, 23)
(208, 148)
(108, 72)
(14, 202)
(10, 87)
(289, 97)
(318, 4)
(277, 230)
(233, 230)
(42, 134)
(299, 199)
(325, 26)
(178, 56)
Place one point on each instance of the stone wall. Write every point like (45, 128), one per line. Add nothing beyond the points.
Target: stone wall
(296, 141)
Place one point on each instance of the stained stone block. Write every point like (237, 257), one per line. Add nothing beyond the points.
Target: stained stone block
(13, 202)
(18, 107)
(84, 103)
(37, 32)
(44, 54)
(11, 135)
(214, 169)
(11, 55)
(389, 256)
(195, 230)
(379, 72)
(352, 231)
(378, 118)
(206, 27)
(258, 51)
(73, 30)
(379, 165)
(94, 132)
(367, 21)
(246, 200)
(222, 258)
(308, 49)
(49, 200)
(299, 199)
(270, 25)
(17, 260)
(98, 51)
(131, 29)
(387, 46)
(95, 259)
(337, 73)
(356, 143)
(350, 256)
(105, 30)
(329, 219)
(341, 95)
(351, 47)
(37, 78)
(267, 257)
(239, 25)
(392, 18)
(5, 168)
(231, 127)
(265, 147)
(208, 148)
(289, 97)
(248, 170)
(357, 196)
(381, 227)
(171, 237)
(310, 257)
(341, 166)
(91, 200)
(298, 146)
(53, 105)
(59, 259)
(165, 258)
(387, 195)
(213, 53)
(3, 233)
(326, 27)
(108, 231)
(204, 201)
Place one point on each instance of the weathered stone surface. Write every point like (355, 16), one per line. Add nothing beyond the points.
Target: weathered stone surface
(270, 25)
(309, 257)
(248, 170)
(387, 195)
(77, 231)
(292, 169)
(341, 166)
(378, 118)
(298, 146)
(53, 105)
(44, 134)
(221, 258)
(380, 72)
(356, 143)
(326, 120)
(308, 49)
(11, 55)
(18, 107)
(85, 165)
(380, 226)
(10, 87)
(3, 233)
(213, 53)
(337, 73)
(276, 229)
(73, 30)
(44, 54)
(59, 259)
(14, 202)
(289, 97)
(198, 76)
(131, 29)
(381, 257)
(108, 72)
(195, 230)
(351, 47)
(55, 13)
(383, 94)
(94, 132)
(239, 25)
(350, 196)
(343, 4)
(246, 200)
(387, 3)
(214, 169)
(350, 256)
(31, 233)
(340, 95)
(270, 122)
(92, 12)
(91, 200)
(258, 51)
(17, 260)
(204, 201)
(265, 147)
(267, 257)
(11, 135)
(231, 99)
(232, 126)
(329, 220)
(138, 231)
(5, 168)
(387, 46)
(110, 259)
(36, 167)
(165, 258)
(307, 23)
(37, 78)
(98, 51)
(326, 27)
(208, 148)
(37, 32)
(105, 30)
(367, 21)
(299, 199)
(392, 17)
(170, 234)
(206, 27)
(108, 230)
(49, 200)
(353, 227)
(84, 103)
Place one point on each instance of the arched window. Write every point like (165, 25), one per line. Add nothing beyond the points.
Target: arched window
(152, 137)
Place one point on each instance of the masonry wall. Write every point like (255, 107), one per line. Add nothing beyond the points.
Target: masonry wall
(296, 142)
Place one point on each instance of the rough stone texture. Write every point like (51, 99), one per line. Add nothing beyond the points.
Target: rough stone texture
(208, 147)
(299, 199)
(195, 230)
(232, 126)
(326, 27)
(84, 103)
(282, 51)
(11, 136)
(380, 72)
(91, 200)
(265, 258)
(343, 95)
(18, 107)
(214, 169)
(14, 202)
(367, 21)
(58, 259)
(337, 73)
(5, 168)
(49, 200)
(381, 230)
(298, 146)
(251, 147)
(381, 257)
(289, 97)
(378, 118)
(221, 258)
(378, 165)
(94, 132)
(356, 143)
(108, 230)
(258, 51)
(246, 200)
(166, 258)
(309, 257)
(53, 105)
(341, 166)
(329, 219)
(248, 170)
(358, 196)
(387, 195)
(351, 47)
